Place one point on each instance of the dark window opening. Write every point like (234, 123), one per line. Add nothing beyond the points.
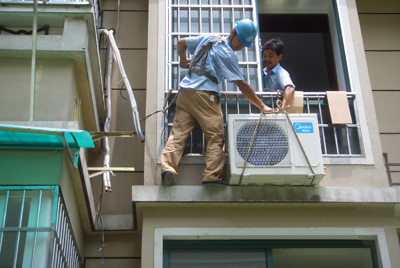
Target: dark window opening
(308, 54)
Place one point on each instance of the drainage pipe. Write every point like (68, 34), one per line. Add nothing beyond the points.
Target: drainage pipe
(135, 113)
(108, 100)
(33, 65)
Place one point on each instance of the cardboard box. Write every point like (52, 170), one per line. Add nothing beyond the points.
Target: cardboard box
(297, 104)
(339, 107)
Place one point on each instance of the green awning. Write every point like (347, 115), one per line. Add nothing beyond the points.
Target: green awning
(22, 137)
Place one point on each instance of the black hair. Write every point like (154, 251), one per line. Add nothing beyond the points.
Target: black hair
(275, 44)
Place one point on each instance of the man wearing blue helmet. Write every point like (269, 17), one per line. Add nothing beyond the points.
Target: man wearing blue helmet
(198, 99)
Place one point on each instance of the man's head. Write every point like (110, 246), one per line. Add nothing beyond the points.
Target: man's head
(272, 53)
(245, 32)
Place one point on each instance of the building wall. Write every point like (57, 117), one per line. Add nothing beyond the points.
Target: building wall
(219, 221)
(51, 102)
(70, 181)
(130, 22)
(190, 171)
(120, 250)
(380, 24)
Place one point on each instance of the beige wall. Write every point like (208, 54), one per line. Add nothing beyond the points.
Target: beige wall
(121, 250)
(55, 94)
(228, 220)
(69, 188)
(380, 24)
(130, 24)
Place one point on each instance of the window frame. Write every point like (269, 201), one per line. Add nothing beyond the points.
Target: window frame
(268, 246)
(344, 37)
(377, 235)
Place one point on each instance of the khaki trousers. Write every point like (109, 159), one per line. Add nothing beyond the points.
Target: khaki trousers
(196, 107)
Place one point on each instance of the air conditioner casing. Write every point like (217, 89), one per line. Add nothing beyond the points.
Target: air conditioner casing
(276, 157)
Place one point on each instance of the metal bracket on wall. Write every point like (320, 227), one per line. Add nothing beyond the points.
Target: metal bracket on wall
(98, 135)
(100, 170)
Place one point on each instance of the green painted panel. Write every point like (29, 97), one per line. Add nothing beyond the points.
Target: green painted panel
(46, 138)
(30, 167)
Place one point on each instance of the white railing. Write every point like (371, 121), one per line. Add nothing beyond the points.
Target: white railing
(336, 140)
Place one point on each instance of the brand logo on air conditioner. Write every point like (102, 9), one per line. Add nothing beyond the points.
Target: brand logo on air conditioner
(303, 127)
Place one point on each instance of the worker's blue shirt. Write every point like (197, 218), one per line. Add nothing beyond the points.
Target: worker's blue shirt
(221, 62)
(277, 78)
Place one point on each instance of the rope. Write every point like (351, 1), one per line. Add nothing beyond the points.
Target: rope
(278, 109)
(201, 54)
(165, 107)
(302, 148)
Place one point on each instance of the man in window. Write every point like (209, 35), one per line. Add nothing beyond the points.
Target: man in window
(198, 99)
(274, 76)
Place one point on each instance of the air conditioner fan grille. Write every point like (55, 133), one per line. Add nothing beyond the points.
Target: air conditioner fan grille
(270, 146)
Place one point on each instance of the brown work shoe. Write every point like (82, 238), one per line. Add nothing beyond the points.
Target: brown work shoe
(167, 178)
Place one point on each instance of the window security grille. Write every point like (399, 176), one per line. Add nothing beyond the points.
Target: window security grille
(35, 230)
(194, 17)
(336, 140)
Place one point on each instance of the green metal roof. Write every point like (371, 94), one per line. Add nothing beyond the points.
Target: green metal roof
(22, 137)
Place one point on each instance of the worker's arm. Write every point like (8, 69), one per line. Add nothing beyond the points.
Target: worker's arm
(288, 95)
(249, 93)
(182, 47)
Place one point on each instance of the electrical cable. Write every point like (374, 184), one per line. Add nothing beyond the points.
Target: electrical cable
(279, 109)
(99, 222)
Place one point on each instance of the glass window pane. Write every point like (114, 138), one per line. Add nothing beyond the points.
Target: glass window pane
(32, 209)
(248, 14)
(216, 17)
(354, 140)
(241, 55)
(253, 73)
(205, 20)
(216, 259)
(174, 76)
(184, 20)
(227, 21)
(174, 20)
(322, 257)
(330, 140)
(194, 19)
(238, 15)
(341, 134)
(230, 86)
(251, 52)
(174, 52)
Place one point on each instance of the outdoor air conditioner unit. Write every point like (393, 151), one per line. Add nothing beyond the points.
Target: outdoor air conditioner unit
(276, 156)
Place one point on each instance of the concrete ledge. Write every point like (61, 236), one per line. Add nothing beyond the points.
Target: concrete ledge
(264, 194)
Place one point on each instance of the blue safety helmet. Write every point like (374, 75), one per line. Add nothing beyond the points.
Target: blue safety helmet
(246, 30)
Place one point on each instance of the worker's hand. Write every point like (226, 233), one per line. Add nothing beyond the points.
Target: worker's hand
(184, 63)
(267, 109)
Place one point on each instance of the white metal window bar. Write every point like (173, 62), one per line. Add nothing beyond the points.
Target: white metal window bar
(35, 230)
(194, 17)
(336, 140)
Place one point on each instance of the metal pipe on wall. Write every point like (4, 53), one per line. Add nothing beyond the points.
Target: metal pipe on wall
(113, 51)
(33, 65)
(108, 99)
